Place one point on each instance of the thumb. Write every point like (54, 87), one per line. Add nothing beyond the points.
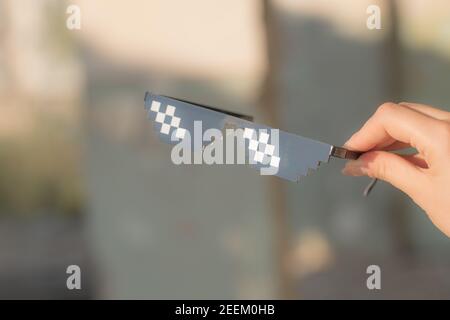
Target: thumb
(389, 167)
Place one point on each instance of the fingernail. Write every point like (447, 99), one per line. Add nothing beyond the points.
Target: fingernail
(354, 168)
(348, 144)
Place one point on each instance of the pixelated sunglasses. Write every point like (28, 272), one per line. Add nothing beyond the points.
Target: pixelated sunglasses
(291, 155)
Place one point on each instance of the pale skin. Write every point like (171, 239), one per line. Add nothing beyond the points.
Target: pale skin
(423, 176)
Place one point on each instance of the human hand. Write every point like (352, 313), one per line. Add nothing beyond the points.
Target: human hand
(424, 176)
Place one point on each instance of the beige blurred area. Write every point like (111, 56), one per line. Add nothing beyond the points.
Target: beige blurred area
(40, 88)
(84, 179)
(191, 38)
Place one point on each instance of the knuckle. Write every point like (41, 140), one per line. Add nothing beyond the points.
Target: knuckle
(380, 171)
(404, 103)
(376, 165)
(442, 134)
(385, 108)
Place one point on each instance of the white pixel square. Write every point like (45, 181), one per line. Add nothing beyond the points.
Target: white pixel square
(253, 145)
(170, 111)
(259, 156)
(180, 133)
(248, 133)
(270, 148)
(165, 128)
(275, 161)
(175, 122)
(264, 137)
(155, 106)
(160, 117)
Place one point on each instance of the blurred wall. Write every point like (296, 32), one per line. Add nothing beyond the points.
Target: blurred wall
(42, 201)
(162, 231)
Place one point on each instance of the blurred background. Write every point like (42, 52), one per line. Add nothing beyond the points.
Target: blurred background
(85, 181)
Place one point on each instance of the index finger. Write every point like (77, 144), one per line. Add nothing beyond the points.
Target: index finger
(393, 121)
